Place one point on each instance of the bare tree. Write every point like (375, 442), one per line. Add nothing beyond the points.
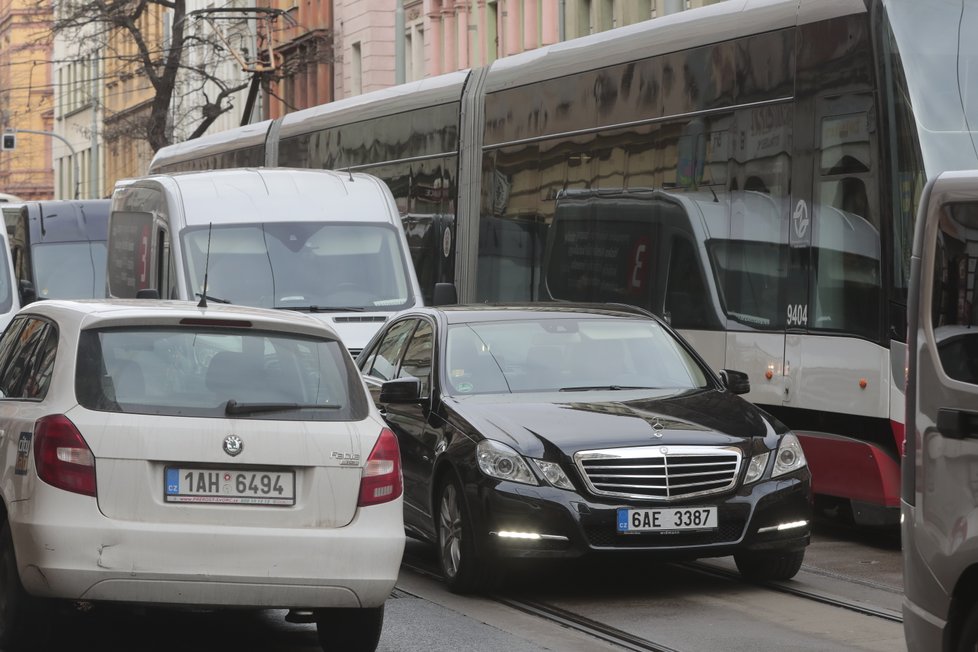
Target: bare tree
(136, 44)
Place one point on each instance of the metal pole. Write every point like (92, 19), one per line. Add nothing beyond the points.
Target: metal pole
(93, 165)
(71, 149)
(400, 54)
(673, 6)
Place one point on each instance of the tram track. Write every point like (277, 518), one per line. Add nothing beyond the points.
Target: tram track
(628, 641)
(562, 617)
(783, 587)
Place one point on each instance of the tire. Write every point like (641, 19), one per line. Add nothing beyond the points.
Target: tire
(461, 567)
(769, 565)
(349, 630)
(968, 639)
(20, 613)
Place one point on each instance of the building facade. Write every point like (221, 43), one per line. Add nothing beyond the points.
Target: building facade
(301, 71)
(26, 98)
(78, 90)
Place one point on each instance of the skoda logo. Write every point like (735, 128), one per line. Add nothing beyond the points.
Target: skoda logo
(233, 445)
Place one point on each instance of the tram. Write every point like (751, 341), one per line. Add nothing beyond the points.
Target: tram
(771, 155)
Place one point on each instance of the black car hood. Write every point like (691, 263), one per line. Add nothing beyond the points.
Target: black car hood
(574, 421)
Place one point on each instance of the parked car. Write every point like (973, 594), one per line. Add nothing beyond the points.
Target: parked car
(167, 454)
(555, 430)
(58, 247)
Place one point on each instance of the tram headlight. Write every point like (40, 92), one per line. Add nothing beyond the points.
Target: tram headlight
(789, 457)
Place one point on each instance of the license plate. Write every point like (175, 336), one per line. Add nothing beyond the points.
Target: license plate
(656, 520)
(229, 486)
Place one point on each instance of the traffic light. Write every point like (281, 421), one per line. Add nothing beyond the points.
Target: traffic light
(9, 141)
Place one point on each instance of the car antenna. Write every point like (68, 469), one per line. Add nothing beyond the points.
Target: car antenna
(350, 172)
(207, 259)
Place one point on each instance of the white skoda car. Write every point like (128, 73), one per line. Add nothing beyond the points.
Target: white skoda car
(165, 454)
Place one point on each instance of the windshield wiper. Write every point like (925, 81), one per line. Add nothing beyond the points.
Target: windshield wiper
(322, 308)
(233, 407)
(594, 388)
(210, 298)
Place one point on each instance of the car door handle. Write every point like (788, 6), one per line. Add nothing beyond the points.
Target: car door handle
(957, 424)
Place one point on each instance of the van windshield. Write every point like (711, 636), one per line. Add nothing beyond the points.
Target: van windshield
(300, 265)
(69, 270)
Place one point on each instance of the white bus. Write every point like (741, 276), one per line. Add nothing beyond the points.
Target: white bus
(838, 111)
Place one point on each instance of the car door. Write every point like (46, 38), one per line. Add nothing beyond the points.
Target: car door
(27, 355)
(414, 426)
(941, 466)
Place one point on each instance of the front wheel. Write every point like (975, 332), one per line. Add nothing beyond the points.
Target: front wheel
(349, 630)
(772, 565)
(463, 571)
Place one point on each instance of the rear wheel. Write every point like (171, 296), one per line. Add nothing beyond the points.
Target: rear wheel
(463, 571)
(20, 613)
(772, 565)
(349, 630)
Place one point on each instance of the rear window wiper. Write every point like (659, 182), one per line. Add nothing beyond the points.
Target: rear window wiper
(322, 308)
(233, 407)
(210, 298)
(590, 388)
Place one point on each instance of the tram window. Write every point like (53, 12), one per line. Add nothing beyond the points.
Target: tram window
(687, 301)
(954, 301)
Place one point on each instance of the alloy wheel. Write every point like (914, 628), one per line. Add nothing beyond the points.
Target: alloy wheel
(450, 531)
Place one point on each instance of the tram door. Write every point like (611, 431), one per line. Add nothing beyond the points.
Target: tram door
(833, 360)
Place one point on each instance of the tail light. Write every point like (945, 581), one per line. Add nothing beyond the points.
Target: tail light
(381, 480)
(61, 456)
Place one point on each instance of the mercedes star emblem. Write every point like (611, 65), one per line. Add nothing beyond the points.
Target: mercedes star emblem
(233, 445)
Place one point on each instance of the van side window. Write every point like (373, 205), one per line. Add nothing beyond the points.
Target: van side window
(954, 306)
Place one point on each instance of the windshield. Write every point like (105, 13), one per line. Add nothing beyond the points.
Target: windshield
(300, 265)
(752, 277)
(940, 59)
(69, 270)
(212, 373)
(544, 355)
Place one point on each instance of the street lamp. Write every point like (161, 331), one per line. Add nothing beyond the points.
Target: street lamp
(11, 133)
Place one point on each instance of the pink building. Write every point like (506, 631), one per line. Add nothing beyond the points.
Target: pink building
(376, 47)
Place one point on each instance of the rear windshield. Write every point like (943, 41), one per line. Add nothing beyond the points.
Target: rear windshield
(209, 372)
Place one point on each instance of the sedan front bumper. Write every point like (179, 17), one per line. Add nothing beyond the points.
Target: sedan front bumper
(571, 525)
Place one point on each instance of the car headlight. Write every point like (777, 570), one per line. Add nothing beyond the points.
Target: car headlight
(756, 467)
(553, 474)
(789, 456)
(500, 461)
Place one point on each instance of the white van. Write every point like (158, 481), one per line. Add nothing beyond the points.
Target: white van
(316, 241)
(10, 300)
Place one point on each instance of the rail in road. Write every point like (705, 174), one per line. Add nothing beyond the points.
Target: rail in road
(563, 618)
(816, 596)
(707, 568)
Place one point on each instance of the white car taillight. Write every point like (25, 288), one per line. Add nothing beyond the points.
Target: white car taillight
(381, 480)
(62, 457)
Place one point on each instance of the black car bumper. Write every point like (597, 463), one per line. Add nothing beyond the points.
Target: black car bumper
(526, 521)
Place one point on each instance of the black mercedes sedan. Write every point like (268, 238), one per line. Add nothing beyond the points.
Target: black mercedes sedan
(556, 430)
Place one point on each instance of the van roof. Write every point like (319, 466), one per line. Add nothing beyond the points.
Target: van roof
(251, 195)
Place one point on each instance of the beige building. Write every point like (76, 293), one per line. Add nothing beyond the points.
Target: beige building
(26, 98)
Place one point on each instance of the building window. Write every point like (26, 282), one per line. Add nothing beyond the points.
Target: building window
(492, 31)
(356, 70)
(606, 19)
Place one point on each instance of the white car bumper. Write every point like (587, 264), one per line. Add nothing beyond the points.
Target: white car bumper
(74, 552)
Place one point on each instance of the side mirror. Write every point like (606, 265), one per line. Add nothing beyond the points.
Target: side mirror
(736, 381)
(401, 390)
(445, 295)
(27, 292)
(148, 293)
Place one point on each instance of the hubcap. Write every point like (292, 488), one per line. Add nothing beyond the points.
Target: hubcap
(450, 531)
